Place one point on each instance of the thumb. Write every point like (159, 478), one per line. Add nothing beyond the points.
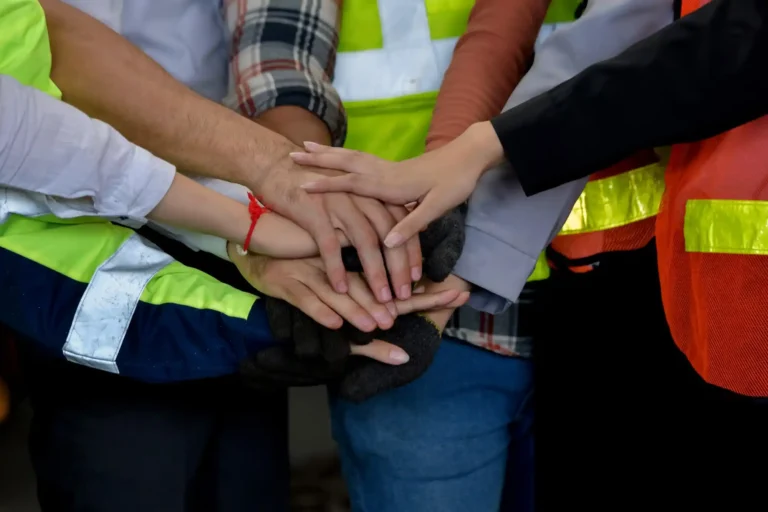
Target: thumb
(415, 222)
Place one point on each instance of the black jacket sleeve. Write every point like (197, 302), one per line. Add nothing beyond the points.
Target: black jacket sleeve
(703, 74)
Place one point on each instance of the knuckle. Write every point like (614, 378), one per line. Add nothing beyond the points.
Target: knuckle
(369, 238)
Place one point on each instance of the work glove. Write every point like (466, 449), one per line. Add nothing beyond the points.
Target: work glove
(442, 243)
(366, 377)
(353, 378)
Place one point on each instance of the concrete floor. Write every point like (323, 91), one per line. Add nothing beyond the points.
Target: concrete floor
(310, 436)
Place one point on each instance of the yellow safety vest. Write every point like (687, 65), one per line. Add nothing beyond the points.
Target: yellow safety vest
(110, 269)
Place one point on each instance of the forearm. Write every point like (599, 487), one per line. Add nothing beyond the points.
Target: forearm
(296, 124)
(108, 78)
(488, 62)
(281, 68)
(692, 80)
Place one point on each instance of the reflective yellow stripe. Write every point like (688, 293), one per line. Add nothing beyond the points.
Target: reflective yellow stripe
(77, 251)
(405, 120)
(360, 26)
(448, 18)
(726, 226)
(186, 286)
(541, 270)
(617, 201)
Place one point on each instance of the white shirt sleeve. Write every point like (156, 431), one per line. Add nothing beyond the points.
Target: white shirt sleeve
(49, 147)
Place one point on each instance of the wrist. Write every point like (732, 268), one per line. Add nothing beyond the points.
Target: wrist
(296, 124)
(481, 141)
(290, 126)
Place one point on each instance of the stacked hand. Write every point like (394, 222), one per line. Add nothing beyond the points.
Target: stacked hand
(326, 310)
(438, 180)
(316, 347)
(364, 222)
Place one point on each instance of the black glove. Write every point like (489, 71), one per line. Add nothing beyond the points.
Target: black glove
(353, 378)
(366, 377)
(308, 339)
(441, 246)
(442, 243)
(307, 353)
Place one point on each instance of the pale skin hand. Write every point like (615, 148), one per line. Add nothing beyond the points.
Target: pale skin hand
(438, 181)
(303, 284)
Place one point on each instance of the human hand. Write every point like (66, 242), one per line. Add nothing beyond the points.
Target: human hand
(437, 181)
(312, 354)
(303, 284)
(441, 245)
(325, 359)
(364, 221)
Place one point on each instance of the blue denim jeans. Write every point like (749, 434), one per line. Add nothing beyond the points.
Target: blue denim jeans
(445, 441)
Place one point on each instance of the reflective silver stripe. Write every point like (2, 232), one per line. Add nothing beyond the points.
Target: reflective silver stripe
(409, 63)
(107, 306)
(26, 204)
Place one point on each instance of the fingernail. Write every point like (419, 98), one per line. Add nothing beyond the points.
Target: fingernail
(382, 318)
(309, 145)
(308, 185)
(393, 240)
(392, 309)
(296, 154)
(405, 291)
(341, 287)
(419, 289)
(385, 295)
(415, 274)
(398, 356)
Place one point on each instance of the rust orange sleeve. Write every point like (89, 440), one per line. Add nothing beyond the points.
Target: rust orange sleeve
(489, 60)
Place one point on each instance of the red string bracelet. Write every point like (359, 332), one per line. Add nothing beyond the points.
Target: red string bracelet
(256, 209)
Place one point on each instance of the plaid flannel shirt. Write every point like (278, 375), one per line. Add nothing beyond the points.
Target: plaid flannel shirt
(508, 334)
(283, 53)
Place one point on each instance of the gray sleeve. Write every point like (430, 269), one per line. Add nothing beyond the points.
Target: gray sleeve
(506, 230)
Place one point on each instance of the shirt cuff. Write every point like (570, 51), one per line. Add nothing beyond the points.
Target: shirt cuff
(208, 243)
(484, 261)
(292, 87)
(193, 239)
(146, 181)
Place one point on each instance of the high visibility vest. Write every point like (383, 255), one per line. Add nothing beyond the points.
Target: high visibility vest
(97, 293)
(712, 239)
(391, 61)
(616, 211)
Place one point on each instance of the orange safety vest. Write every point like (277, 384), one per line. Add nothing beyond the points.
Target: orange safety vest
(712, 239)
(615, 212)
